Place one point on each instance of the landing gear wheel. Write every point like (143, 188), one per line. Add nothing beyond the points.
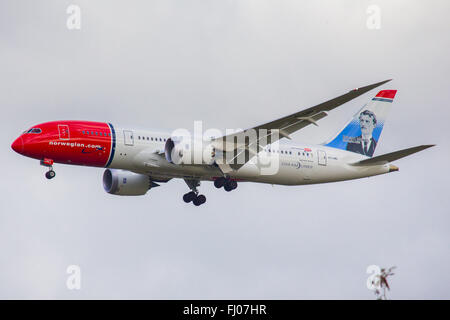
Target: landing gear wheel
(228, 187)
(219, 182)
(190, 196)
(50, 174)
(199, 200)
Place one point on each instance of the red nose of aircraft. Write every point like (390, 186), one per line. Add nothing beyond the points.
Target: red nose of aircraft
(17, 145)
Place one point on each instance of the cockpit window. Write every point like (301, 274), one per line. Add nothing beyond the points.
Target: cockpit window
(34, 130)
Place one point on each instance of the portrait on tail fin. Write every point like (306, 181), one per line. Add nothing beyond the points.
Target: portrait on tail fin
(364, 144)
(362, 133)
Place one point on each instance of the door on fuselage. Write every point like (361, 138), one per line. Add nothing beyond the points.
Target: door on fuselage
(63, 130)
(322, 157)
(128, 137)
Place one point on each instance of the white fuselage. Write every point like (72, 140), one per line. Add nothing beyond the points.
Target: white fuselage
(142, 151)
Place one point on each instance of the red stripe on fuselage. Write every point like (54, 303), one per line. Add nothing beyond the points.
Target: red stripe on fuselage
(70, 142)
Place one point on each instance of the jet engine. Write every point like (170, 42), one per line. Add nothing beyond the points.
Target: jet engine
(125, 183)
(185, 151)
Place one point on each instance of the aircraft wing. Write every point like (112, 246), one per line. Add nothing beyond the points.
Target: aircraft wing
(270, 132)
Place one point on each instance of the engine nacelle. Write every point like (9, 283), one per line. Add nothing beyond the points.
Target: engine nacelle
(185, 151)
(125, 183)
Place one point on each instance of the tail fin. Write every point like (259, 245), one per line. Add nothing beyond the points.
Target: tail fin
(362, 132)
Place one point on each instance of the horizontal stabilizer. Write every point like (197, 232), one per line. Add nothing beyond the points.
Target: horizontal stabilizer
(389, 157)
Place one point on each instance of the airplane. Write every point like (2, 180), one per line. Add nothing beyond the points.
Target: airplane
(139, 160)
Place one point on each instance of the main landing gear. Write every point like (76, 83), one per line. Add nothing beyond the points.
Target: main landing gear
(226, 183)
(197, 199)
(194, 196)
(50, 174)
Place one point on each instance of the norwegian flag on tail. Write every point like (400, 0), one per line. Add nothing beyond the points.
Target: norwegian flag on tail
(386, 94)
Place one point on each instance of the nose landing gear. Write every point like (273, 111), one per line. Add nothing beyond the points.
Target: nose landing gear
(50, 174)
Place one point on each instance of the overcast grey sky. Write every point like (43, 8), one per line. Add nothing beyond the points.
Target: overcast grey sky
(231, 63)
